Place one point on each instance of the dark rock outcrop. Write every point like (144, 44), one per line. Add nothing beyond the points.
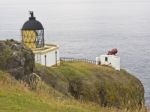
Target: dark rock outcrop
(16, 59)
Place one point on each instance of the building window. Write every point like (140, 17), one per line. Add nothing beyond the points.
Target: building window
(45, 60)
(106, 59)
(56, 57)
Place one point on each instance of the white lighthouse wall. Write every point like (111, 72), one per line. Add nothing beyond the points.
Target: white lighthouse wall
(111, 60)
(103, 59)
(116, 62)
(58, 57)
(50, 59)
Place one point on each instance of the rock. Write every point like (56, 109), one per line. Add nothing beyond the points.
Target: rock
(2, 45)
(16, 59)
(18, 72)
(33, 80)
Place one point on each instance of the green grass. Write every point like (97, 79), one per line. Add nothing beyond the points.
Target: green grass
(120, 88)
(15, 96)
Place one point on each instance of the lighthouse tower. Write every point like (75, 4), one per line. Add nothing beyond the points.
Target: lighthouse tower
(33, 38)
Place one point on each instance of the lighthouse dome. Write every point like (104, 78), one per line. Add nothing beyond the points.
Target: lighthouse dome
(32, 24)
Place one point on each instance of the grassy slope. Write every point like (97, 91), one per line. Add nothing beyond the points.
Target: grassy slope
(88, 80)
(16, 97)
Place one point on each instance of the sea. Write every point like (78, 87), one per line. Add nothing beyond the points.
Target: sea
(88, 28)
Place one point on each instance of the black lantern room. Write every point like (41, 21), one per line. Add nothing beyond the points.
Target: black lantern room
(33, 33)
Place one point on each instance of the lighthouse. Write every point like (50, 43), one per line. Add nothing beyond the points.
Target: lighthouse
(33, 38)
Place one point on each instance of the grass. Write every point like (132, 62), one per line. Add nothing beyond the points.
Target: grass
(100, 84)
(16, 96)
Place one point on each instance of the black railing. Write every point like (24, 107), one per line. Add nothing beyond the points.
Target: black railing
(66, 59)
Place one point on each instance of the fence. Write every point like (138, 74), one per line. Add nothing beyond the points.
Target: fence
(66, 59)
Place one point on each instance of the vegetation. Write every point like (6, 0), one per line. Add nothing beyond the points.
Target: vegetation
(71, 87)
(15, 96)
(100, 84)
(5, 56)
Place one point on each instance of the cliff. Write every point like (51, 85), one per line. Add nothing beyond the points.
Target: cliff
(100, 84)
(69, 85)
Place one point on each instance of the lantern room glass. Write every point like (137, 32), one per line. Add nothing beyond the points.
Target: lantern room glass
(33, 38)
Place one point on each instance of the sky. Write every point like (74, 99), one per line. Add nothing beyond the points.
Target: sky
(53, 1)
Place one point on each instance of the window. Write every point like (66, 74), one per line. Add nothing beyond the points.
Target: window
(106, 59)
(45, 59)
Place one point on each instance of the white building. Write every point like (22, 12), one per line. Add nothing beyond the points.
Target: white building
(110, 60)
(48, 56)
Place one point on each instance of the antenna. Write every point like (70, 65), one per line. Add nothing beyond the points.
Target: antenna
(32, 15)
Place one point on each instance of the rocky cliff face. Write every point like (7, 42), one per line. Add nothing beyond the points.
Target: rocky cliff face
(16, 59)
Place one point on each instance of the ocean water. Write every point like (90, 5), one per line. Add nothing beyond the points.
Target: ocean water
(89, 28)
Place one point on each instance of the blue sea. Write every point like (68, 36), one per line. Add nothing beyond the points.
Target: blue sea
(89, 28)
